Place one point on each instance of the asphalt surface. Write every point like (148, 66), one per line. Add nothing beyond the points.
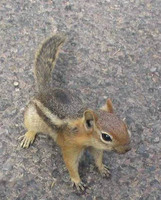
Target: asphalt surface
(113, 50)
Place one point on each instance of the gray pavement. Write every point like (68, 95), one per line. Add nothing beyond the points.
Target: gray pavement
(113, 50)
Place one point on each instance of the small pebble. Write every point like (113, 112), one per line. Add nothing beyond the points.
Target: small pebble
(17, 89)
(153, 69)
(156, 140)
(16, 83)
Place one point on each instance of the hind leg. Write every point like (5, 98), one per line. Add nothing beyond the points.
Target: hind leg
(28, 139)
(32, 123)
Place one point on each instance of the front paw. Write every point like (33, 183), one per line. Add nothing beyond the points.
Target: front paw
(80, 186)
(105, 172)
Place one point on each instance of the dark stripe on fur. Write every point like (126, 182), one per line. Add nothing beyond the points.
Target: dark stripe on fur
(47, 120)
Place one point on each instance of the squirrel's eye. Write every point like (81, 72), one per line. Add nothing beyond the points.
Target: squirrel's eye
(106, 137)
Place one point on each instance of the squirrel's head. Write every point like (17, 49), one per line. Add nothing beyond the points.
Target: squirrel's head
(107, 131)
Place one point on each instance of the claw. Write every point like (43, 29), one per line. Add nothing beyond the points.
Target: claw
(79, 186)
(28, 139)
(22, 142)
(105, 171)
(22, 136)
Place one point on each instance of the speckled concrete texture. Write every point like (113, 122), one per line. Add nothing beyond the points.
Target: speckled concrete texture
(113, 50)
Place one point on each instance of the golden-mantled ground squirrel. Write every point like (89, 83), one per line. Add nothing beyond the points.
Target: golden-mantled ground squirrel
(62, 115)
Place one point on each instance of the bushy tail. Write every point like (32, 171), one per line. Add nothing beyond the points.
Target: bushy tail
(45, 61)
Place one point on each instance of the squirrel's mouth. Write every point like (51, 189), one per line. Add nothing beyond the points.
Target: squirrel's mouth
(122, 149)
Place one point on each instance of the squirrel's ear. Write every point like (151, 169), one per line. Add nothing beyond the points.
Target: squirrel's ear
(108, 106)
(89, 119)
